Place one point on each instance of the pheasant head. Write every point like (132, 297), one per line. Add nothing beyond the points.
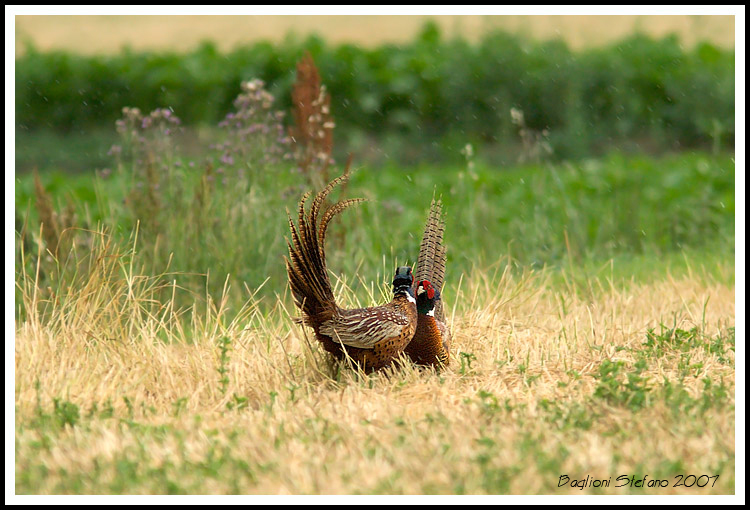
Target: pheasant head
(427, 295)
(403, 281)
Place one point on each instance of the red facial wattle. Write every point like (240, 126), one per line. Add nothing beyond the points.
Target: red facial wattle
(429, 289)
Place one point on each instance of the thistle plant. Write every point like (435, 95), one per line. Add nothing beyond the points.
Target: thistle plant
(196, 219)
(146, 135)
(254, 140)
(148, 158)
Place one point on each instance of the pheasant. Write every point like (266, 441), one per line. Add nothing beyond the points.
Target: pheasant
(431, 342)
(372, 337)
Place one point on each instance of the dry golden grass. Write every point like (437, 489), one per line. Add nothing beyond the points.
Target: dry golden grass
(183, 33)
(516, 410)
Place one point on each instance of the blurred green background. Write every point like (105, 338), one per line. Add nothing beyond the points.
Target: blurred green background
(544, 147)
(419, 100)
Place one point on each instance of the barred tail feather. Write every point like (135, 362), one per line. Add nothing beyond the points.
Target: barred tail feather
(432, 257)
(329, 215)
(306, 265)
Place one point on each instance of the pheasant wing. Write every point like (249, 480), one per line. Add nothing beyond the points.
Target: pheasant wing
(365, 327)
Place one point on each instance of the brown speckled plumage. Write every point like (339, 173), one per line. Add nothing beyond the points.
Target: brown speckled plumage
(372, 337)
(431, 342)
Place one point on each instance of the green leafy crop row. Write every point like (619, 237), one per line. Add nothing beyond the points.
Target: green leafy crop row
(641, 92)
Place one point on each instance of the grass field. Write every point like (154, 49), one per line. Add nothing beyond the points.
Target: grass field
(569, 214)
(183, 33)
(579, 348)
(549, 379)
(591, 304)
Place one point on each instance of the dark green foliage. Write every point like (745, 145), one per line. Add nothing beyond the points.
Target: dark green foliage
(632, 391)
(66, 413)
(225, 344)
(621, 384)
(640, 93)
(569, 415)
(563, 214)
(466, 359)
(682, 403)
(677, 339)
(671, 339)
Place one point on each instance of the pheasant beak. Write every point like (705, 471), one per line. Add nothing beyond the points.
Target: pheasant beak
(420, 290)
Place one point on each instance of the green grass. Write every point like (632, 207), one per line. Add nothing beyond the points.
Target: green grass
(592, 306)
(71, 153)
(625, 218)
(619, 368)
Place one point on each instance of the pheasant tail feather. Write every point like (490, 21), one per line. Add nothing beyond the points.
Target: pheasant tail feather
(306, 265)
(432, 257)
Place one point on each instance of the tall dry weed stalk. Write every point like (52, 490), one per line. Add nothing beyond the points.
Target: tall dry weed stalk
(198, 222)
(312, 133)
(54, 222)
(534, 144)
(47, 215)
